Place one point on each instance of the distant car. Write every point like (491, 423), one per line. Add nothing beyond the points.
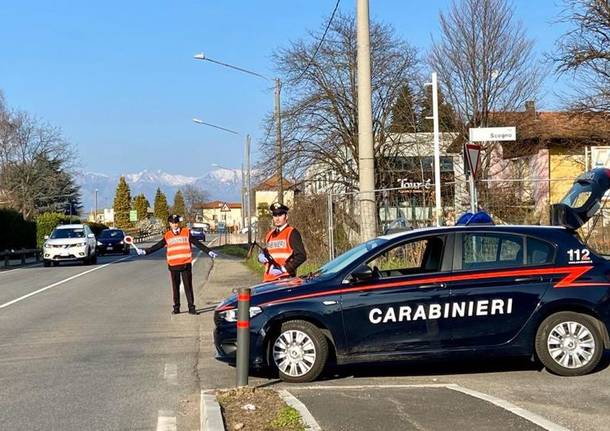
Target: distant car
(112, 241)
(70, 242)
(398, 225)
(198, 231)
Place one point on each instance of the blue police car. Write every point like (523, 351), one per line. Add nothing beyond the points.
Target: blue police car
(475, 288)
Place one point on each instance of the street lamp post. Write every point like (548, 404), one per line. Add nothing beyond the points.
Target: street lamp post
(248, 187)
(95, 214)
(277, 115)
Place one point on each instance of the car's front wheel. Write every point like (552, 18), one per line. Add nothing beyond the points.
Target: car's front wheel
(569, 344)
(299, 351)
(46, 263)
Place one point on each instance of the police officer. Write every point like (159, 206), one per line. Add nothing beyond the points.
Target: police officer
(178, 242)
(284, 244)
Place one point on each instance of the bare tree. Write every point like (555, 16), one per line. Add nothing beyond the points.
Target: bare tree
(584, 52)
(34, 165)
(193, 198)
(484, 60)
(320, 115)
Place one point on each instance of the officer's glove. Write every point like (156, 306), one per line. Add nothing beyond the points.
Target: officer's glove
(262, 258)
(141, 252)
(212, 254)
(277, 271)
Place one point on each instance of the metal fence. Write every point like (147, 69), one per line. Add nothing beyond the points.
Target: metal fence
(330, 223)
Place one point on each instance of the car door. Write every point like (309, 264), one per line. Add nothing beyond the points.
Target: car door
(496, 286)
(399, 308)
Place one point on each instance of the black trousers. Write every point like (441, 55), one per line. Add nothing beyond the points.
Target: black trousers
(184, 271)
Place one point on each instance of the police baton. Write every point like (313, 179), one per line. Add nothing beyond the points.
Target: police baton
(243, 336)
(129, 240)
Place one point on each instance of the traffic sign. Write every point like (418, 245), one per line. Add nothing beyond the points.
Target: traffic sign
(472, 152)
(133, 215)
(485, 134)
(225, 208)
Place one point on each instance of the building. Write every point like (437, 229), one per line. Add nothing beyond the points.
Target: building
(266, 192)
(219, 213)
(551, 149)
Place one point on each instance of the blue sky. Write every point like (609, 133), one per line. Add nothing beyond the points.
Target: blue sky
(120, 80)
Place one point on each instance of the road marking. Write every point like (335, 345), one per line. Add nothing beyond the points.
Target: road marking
(60, 282)
(166, 421)
(525, 414)
(171, 374)
(292, 401)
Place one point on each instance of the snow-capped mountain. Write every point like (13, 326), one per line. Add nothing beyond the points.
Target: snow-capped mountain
(222, 184)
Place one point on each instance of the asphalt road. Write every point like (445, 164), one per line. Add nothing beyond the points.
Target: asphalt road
(97, 348)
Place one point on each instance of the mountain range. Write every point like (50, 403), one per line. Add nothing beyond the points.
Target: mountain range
(219, 184)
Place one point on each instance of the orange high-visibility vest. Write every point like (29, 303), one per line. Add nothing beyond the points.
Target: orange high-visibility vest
(280, 250)
(178, 247)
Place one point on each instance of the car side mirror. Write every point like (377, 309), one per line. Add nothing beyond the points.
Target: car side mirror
(90, 235)
(362, 273)
(46, 237)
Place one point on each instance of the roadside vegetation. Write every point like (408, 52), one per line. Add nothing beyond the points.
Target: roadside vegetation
(252, 409)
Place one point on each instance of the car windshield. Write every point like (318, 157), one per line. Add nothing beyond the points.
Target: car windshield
(197, 229)
(112, 234)
(68, 233)
(340, 262)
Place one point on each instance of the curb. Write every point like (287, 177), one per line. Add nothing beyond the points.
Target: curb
(309, 421)
(211, 417)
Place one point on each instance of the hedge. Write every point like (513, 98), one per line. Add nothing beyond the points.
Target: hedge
(15, 232)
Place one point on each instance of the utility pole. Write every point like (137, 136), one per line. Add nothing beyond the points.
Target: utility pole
(249, 190)
(95, 216)
(437, 150)
(278, 140)
(243, 195)
(366, 161)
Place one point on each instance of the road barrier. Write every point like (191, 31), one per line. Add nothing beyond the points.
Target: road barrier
(243, 336)
(22, 253)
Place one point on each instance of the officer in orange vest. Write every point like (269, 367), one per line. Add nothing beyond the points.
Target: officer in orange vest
(178, 242)
(284, 244)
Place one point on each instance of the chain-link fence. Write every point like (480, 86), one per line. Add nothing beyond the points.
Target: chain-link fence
(330, 223)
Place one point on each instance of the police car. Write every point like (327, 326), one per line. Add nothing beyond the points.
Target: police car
(476, 288)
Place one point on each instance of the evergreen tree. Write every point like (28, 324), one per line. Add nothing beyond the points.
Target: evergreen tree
(404, 115)
(141, 204)
(161, 210)
(179, 206)
(122, 204)
(446, 115)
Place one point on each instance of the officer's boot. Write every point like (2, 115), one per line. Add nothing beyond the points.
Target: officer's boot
(176, 309)
(192, 309)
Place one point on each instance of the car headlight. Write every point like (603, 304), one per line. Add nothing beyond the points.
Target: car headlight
(121, 242)
(231, 315)
(99, 243)
(80, 244)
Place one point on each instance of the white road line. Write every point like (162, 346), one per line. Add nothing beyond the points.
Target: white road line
(526, 414)
(166, 421)
(171, 374)
(292, 401)
(60, 282)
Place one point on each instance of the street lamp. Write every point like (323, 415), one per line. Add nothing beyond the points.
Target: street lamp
(95, 214)
(245, 184)
(277, 113)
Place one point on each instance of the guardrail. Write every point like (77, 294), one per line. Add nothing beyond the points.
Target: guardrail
(21, 253)
(143, 236)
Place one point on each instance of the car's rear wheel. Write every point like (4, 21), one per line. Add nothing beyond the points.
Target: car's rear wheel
(569, 344)
(299, 351)
(46, 263)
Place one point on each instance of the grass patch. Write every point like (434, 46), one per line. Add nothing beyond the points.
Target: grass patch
(257, 409)
(235, 250)
(287, 418)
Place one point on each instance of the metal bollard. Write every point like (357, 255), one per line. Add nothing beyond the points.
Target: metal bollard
(243, 336)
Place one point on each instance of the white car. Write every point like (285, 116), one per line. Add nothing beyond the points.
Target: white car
(69, 242)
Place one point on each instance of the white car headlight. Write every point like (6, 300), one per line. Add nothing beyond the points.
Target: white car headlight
(231, 315)
(99, 243)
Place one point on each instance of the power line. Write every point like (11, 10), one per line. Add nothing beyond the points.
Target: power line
(321, 41)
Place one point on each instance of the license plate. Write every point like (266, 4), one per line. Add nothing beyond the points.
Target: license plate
(109, 248)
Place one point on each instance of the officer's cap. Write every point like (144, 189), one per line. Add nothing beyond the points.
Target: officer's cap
(174, 218)
(278, 209)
